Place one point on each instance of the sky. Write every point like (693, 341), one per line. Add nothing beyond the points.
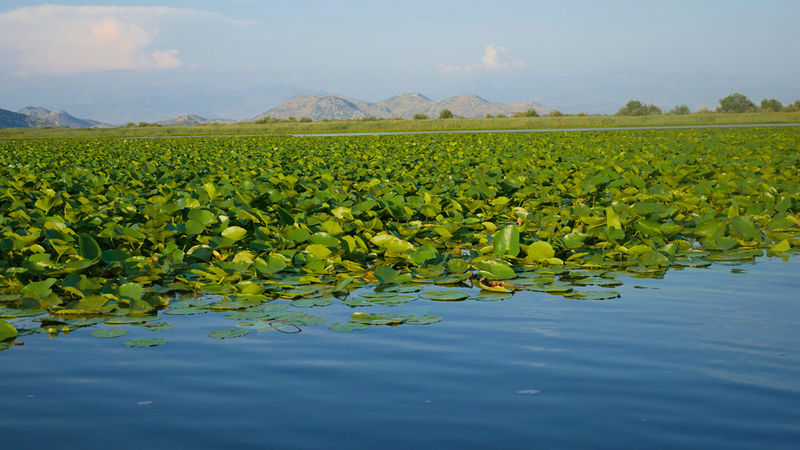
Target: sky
(118, 61)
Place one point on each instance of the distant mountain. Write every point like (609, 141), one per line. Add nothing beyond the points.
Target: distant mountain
(338, 107)
(10, 119)
(407, 105)
(40, 117)
(192, 119)
(326, 106)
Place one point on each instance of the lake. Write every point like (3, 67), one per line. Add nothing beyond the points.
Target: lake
(704, 358)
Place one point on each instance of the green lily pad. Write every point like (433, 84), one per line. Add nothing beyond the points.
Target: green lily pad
(145, 342)
(159, 326)
(490, 297)
(445, 296)
(110, 333)
(350, 326)
(311, 302)
(424, 319)
(7, 331)
(377, 319)
(228, 333)
(188, 311)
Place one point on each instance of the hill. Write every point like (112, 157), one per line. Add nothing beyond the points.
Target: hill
(338, 107)
(41, 117)
(10, 119)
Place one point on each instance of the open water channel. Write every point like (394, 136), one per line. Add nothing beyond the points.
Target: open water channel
(704, 358)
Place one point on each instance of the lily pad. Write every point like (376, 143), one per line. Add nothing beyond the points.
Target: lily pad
(311, 302)
(228, 333)
(145, 342)
(110, 332)
(377, 319)
(424, 319)
(7, 331)
(350, 326)
(445, 296)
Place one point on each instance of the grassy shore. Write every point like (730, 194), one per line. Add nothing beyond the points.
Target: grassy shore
(399, 125)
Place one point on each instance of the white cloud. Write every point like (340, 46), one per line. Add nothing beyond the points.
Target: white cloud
(54, 39)
(495, 57)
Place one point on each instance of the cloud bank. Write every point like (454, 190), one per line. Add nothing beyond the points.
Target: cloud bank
(495, 58)
(54, 39)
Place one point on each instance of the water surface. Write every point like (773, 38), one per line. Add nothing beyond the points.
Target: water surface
(705, 358)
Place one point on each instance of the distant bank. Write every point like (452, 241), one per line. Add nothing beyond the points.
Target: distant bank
(428, 125)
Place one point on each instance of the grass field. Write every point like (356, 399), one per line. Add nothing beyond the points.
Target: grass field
(395, 125)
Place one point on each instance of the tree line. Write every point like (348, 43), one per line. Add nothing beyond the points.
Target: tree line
(734, 103)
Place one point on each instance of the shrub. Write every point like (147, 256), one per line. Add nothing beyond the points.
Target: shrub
(265, 119)
(771, 105)
(420, 116)
(793, 107)
(305, 119)
(736, 103)
(680, 109)
(446, 114)
(637, 108)
(555, 113)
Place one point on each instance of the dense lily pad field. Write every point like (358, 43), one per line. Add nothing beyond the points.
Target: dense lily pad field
(128, 232)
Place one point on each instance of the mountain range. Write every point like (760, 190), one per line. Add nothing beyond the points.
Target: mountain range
(33, 117)
(186, 120)
(339, 107)
(316, 107)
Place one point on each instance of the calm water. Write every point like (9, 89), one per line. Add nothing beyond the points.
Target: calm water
(705, 358)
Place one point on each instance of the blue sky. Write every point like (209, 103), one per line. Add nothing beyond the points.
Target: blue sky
(124, 60)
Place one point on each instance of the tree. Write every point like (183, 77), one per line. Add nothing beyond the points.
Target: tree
(555, 113)
(680, 109)
(420, 116)
(794, 107)
(637, 108)
(528, 113)
(736, 103)
(446, 114)
(771, 105)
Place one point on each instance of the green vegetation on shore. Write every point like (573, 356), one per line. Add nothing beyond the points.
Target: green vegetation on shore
(400, 125)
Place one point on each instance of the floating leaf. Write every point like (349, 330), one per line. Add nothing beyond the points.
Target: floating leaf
(386, 275)
(351, 326)
(110, 332)
(377, 319)
(228, 333)
(782, 246)
(145, 342)
(445, 296)
(424, 319)
(7, 331)
(311, 302)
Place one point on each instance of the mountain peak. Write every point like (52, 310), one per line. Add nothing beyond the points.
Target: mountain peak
(339, 107)
(42, 117)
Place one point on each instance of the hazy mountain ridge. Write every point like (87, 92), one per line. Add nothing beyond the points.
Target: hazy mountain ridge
(338, 107)
(187, 120)
(10, 119)
(57, 118)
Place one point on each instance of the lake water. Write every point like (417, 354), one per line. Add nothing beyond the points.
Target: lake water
(704, 358)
